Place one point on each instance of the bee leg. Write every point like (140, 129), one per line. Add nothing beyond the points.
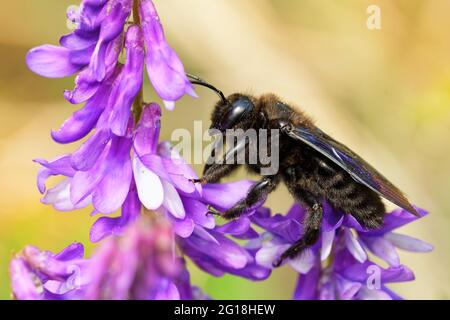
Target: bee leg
(216, 172)
(312, 224)
(258, 192)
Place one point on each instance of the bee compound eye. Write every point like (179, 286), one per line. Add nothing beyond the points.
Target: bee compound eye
(239, 109)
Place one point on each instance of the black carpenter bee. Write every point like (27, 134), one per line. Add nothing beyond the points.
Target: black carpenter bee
(313, 166)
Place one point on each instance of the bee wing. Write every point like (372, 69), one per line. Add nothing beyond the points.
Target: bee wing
(348, 160)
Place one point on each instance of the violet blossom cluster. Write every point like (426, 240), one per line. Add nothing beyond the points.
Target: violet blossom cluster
(164, 218)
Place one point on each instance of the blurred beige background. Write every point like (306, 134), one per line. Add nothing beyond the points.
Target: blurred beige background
(385, 93)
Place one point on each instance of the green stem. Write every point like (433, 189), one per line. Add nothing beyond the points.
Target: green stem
(139, 100)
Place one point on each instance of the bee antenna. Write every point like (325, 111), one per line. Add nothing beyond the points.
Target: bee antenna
(196, 80)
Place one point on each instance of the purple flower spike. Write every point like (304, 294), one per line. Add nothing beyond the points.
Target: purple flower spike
(165, 70)
(138, 265)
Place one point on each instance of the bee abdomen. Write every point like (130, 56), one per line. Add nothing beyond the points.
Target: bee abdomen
(353, 198)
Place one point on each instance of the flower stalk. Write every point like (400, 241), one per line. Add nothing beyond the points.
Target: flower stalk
(139, 100)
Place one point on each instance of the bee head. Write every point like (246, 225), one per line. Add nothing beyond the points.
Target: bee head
(235, 112)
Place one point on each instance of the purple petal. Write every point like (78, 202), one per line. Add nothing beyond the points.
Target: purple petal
(79, 124)
(269, 252)
(354, 246)
(396, 219)
(235, 227)
(165, 70)
(180, 166)
(250, 234)
(327, 244)
(81, 57)
(129, 84)
(45, 263)
(87, 155)
(168, 293)
(105, 226)
(147, 133)
(84, 182)
(155, 164)
(327, 290)
(332, 219)
(111, 28)
(289, 230)
(22, 281)
(58, 166)
(172, 201)
(51, 61)
(74, 41)
(112, 190)
(382, 248)
(225, 195)
(373, 294)
(86, 87)
(252, 271)
(170, 105)
(352, 223)
(42, 177)
(296, 212)
(206, 264)
(59, 197)
(345, 288)
(307, 285)
(304, 262)
(198, 211)
(360, 273)
(149, 185)
(228, 253)
(91, 14)
(182, 180)
(71, 252)
(180, 172)
(182, 227)
(408, 243)
(205, 235)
